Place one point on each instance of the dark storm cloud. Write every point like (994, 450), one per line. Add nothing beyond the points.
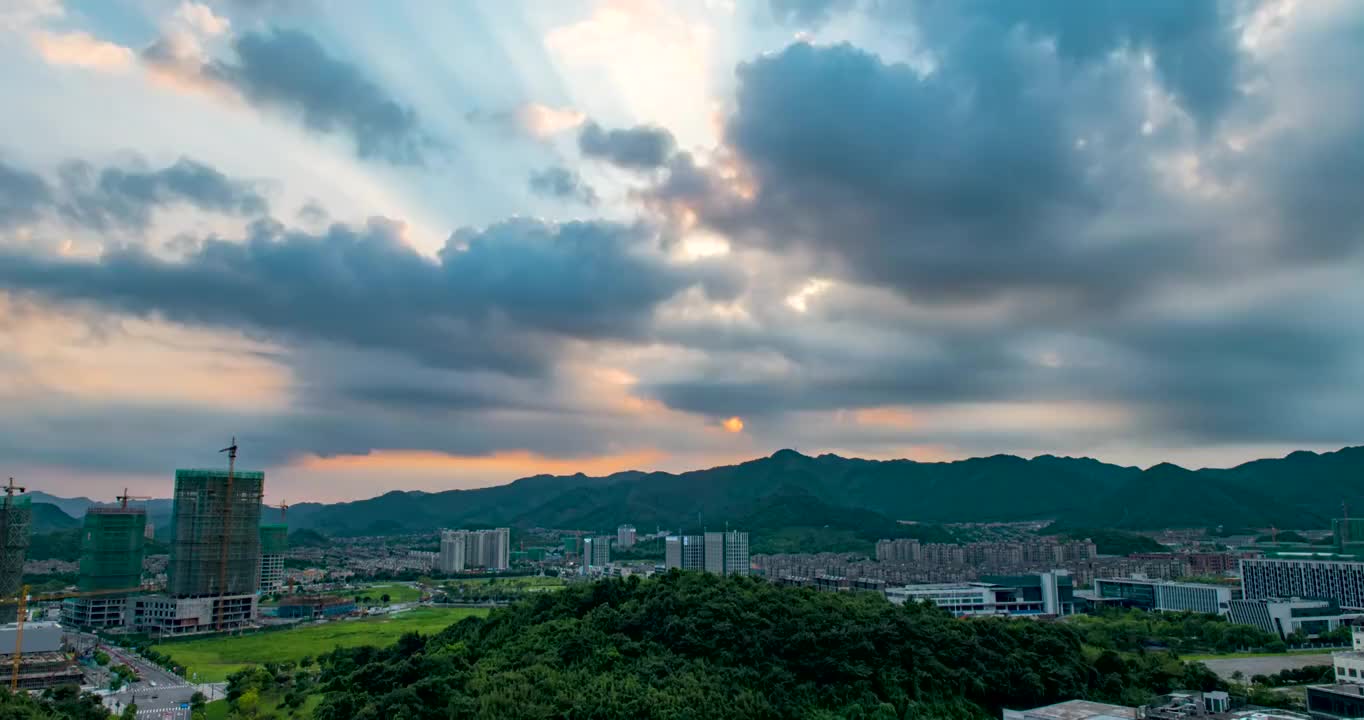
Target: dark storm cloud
(123, 197)
(961, 185)
(23, 195)
(126, 197)
(1194, 45)
(637, 148)
(498, 298)
(289, 71)
(562, 183)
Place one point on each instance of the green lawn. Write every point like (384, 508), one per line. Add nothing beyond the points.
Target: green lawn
(397, 592)
(522, 581)
(214, 658)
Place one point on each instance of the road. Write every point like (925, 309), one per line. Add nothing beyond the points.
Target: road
(158, 693)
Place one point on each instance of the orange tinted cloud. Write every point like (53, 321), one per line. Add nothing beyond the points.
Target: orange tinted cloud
(734, 424)
(504, 465)
(82, 49)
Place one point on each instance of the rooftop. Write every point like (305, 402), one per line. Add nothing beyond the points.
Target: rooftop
(1074, 710)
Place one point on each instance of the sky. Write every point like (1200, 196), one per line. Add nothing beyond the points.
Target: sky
(424, 246)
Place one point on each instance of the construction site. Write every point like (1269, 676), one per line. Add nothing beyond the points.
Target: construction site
(220, 559)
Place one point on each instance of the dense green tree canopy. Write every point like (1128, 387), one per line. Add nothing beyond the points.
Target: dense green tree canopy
(690, 645)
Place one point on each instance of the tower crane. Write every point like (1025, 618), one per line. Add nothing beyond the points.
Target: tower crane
(231, 451)
(125, 497)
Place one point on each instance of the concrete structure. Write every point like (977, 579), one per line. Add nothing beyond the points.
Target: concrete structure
(215, 537)
(462, 550)
(95, 612)
(596, 551)
(1285, 617)
(625, 536)
(1335, 702)
(274, 543)
(1044, 594)
(44, 663)
(38, 637)
(726, 553)
(1348, 534)
(1166, 595)
(1341, 581)
(161, 615)
(1074, 710)
(16, 515)
(684, 552)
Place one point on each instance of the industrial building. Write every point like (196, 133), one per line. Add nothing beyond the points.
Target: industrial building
(684, 552)
(112, 547)
(625, 536)
(1284, 577)
(274, 541)
(1285, 617)
(462, 550)
(1050, 593)
(215, 555)
(43, 662)
(1166, 595)
(596, 552)
(16, 516)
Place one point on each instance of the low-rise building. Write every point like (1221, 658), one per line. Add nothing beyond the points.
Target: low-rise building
(1288, 616)
(1044, 594)
(1335, 702)
(43, 663)
(314, 606)
(1349, 664)
(159, 615)
(1167, 595)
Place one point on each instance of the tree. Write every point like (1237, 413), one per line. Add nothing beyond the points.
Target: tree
(130, 712)
(197, 701)
(101, 658)
(384, 598)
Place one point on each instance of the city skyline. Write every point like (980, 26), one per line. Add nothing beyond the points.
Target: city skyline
(670, 236)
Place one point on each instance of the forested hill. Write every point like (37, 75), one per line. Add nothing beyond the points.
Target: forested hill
(1302, 490)
(693, 645)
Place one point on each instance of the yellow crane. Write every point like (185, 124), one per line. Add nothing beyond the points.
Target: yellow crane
(23, 601)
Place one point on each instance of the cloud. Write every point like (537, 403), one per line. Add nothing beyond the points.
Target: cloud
(201, 18)
(83, 50)
(23, 196)
(812, 13)
(544, 121)
(125, 197)
(328, 95)
(638, 148)
(501, 298)
(563, 184)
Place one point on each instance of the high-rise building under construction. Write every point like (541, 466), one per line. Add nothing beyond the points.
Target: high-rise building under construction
(112, 546)
(214, 557)
(16, 516)
(274, 540)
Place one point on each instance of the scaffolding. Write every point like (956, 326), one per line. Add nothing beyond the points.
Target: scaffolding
(112, 545)
(215, 540)
(274, 539)
(16, 515)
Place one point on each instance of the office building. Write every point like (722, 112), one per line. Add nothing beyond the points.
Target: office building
(684, 552)
(1165, 595)
(726, 553)
(1050, 593)
(1341, 581)
(625, 536)
(274, 541)
(112, 548)
(462, 550)
(1284, 617)
(596, 551)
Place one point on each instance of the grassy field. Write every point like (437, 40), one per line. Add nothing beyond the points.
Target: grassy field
(525, 581)
(1241, 655)
(214, 658)
(397, 592)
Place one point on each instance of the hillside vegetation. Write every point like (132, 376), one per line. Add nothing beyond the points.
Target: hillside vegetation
(693, 645)
(867, 497)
